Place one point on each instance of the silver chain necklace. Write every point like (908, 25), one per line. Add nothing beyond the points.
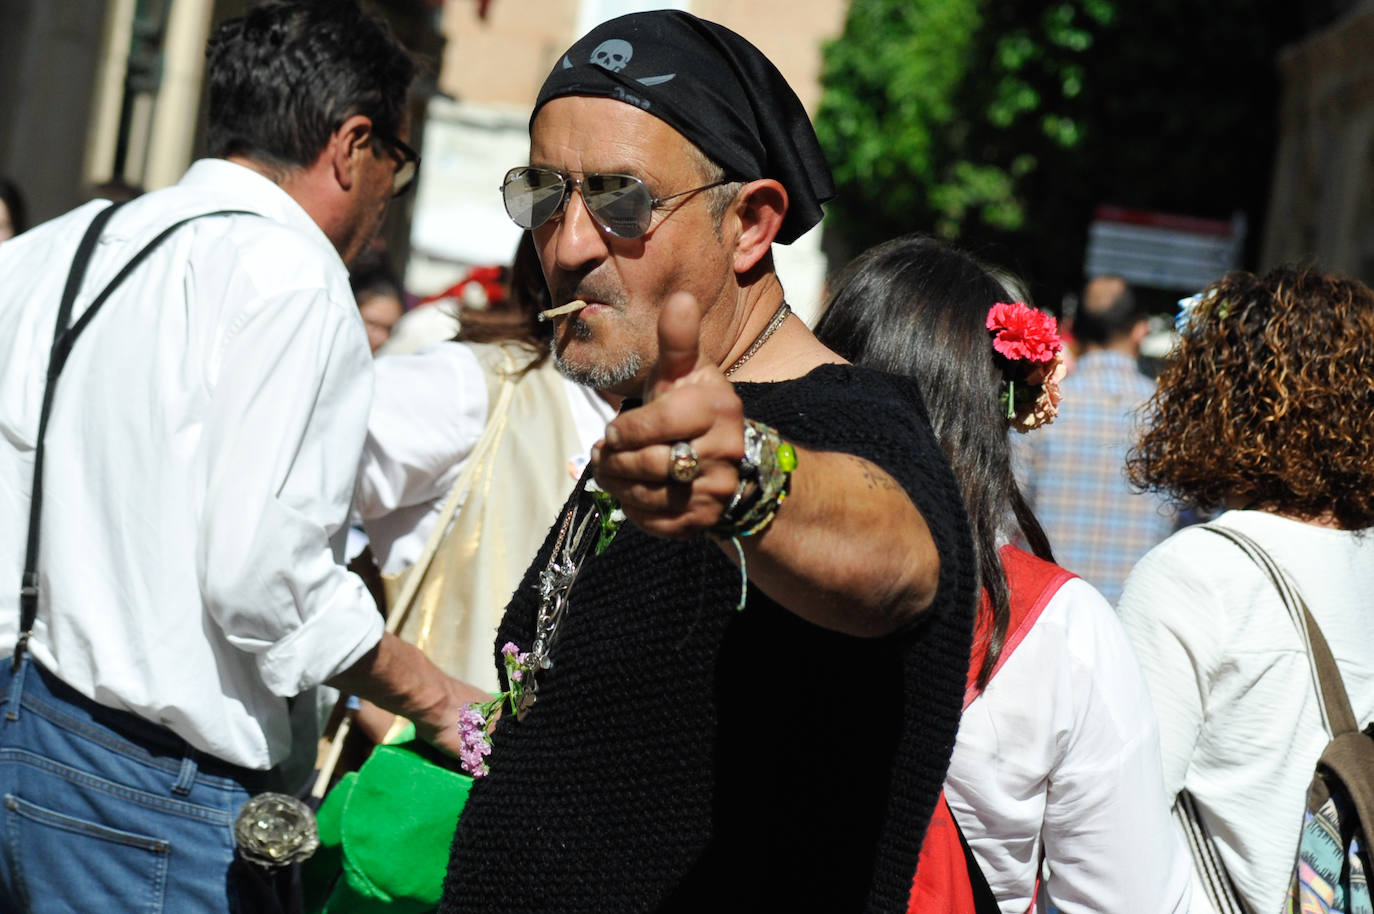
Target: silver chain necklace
(778, 317)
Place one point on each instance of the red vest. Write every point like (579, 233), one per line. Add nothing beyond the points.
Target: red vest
(942, 880)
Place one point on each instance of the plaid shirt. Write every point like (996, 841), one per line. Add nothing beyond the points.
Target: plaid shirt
(1074, 476)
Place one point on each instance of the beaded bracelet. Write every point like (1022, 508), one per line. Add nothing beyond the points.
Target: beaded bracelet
(765, 476)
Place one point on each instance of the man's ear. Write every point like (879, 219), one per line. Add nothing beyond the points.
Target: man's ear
(346, 144)
(760, 207)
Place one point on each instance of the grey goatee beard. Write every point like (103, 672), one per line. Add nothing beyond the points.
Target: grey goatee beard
(601, 377)
(598, 377)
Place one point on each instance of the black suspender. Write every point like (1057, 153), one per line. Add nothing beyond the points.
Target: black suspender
(64, 337)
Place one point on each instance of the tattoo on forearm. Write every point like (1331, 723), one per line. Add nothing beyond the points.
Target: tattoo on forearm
(874, 478)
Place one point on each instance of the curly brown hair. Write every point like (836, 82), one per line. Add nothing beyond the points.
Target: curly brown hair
(1268, 400)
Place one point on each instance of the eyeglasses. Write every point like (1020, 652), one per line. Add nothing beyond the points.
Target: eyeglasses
(620, 204)
(407, 165)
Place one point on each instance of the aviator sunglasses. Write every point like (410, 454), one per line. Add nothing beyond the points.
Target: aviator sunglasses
(620, 204)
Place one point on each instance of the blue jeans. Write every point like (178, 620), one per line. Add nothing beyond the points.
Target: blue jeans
(101, 810)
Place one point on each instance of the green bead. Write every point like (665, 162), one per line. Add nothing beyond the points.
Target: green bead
(787, 457)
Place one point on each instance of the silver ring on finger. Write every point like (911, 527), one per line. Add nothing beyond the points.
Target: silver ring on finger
(683, 465)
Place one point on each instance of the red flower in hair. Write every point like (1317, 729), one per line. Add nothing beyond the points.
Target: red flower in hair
(1023, 334)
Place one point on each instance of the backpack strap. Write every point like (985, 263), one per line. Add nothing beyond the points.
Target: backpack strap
(1210, 871)
(63, 339)
(1337, 714)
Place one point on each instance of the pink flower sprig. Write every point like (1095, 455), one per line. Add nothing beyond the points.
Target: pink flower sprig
(476, 740)
(1029, 408)
(476, 719)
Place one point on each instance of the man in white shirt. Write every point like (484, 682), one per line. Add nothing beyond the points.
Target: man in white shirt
(200, 453)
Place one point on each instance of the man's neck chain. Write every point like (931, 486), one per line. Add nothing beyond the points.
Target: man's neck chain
(778, 317)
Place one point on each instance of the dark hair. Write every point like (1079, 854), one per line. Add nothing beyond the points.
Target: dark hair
(1098, 323)
(1269, 399)
(285, 76)
(14, 204)
(915, 307)
(516, 320)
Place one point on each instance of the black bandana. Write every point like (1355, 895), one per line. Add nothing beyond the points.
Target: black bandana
(714, 88)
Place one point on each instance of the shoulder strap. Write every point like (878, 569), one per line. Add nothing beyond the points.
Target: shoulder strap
(1337, 714)
(63, 339)
(1209, 871)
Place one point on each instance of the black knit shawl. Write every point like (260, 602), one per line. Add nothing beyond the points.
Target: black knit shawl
(686, 756)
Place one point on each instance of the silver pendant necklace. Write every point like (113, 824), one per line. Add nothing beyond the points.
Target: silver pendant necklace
(555, 584)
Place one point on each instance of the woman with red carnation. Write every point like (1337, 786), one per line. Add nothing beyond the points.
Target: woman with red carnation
(1057, 757)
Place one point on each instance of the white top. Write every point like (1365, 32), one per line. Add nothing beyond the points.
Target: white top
(1061, 753)
(428, 415)
(200, 457)
(1240, 725)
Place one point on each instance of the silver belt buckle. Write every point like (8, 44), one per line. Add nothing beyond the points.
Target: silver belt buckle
(274, 830)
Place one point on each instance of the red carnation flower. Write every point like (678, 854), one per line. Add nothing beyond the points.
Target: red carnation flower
(1023, 334)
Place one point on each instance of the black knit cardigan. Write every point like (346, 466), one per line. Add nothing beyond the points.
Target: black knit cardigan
(685, 756)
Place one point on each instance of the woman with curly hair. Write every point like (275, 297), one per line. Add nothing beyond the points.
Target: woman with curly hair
(1057, 756)
(1266, 410)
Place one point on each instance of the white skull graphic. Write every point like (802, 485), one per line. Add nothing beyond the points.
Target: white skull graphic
(613, 54)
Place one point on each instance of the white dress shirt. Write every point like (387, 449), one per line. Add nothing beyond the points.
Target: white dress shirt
(1060, 754)
(1239, 721)
(201, 455)
(428, 415)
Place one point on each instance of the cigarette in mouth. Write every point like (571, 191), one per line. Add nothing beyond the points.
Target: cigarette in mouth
(574, 305)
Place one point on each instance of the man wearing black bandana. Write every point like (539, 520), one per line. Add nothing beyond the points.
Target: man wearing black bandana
(694, 748)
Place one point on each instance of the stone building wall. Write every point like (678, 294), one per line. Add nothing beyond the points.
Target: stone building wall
(1322, 201)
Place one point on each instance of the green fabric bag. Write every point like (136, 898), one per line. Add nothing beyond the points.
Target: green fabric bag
(385, 832)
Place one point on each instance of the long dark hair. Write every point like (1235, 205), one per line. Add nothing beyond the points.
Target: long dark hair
(914, 306)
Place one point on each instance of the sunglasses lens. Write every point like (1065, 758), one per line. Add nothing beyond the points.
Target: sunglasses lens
(532, 195)
(619, 202)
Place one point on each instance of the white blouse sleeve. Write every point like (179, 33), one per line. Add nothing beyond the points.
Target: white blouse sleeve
(428, 412)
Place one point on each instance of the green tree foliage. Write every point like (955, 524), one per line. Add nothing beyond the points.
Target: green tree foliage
(1000, 125)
